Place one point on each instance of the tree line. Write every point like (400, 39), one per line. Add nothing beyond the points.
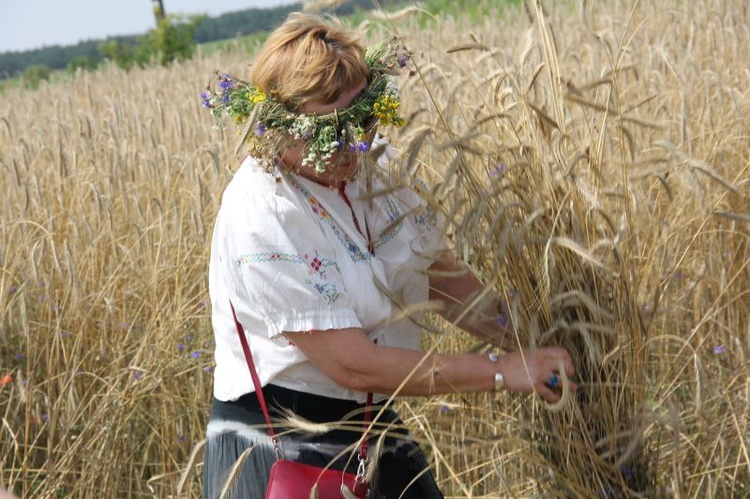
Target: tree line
(174, 37)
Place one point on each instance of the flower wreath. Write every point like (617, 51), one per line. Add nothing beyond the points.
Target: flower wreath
(272, 122)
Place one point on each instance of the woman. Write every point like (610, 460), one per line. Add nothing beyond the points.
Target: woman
(318, 266)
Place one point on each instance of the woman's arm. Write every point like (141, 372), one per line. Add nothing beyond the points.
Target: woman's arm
(453, 284)
(349, 358)
(4, 494)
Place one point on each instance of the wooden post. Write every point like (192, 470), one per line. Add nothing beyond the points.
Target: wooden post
(159, 13)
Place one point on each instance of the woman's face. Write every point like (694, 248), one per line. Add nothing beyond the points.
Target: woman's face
(344, 162)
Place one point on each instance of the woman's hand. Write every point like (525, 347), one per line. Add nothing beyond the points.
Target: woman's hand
(543, 371)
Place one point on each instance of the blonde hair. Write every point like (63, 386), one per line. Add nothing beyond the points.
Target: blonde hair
(307, 59)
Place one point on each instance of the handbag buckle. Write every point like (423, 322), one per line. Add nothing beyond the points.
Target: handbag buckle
(361, 489)
(277, 449)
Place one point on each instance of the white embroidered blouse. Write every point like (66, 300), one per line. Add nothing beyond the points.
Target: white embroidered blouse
(290, 256)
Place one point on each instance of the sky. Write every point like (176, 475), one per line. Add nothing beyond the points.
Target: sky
(31, 24)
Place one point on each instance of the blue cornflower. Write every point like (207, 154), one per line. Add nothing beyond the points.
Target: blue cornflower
(260, 130)
(497, 170)
(720, 349)
(225, 82)
(501, 320)
(208, 369)
(195, 354)
(180, 347)
(360, 147)
(138, 375)
(628, 472)
(403, 60)
(206, 100)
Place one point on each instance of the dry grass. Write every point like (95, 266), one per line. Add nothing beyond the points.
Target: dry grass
(593, 161)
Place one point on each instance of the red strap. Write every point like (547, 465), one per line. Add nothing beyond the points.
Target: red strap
(262, 398)
(342, 192)
(366, 427)
(253, 373)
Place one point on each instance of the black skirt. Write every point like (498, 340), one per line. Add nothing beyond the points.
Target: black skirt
(239, 453)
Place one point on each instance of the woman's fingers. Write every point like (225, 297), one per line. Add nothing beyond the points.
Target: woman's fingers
(547, 394)
(543, 371)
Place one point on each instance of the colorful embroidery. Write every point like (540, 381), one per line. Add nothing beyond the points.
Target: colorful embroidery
(391, 209)
(317, 208)
(426, 216)
(386, 236)
(393, 213)
(354, 251)
(316, 269)
(327, 291)
(270, 257)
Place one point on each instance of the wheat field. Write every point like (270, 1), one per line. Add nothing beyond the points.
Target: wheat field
(592, 160)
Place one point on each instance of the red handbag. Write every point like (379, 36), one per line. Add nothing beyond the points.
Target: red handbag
(293, 480)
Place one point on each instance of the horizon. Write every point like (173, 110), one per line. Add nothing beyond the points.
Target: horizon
(23, 29)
